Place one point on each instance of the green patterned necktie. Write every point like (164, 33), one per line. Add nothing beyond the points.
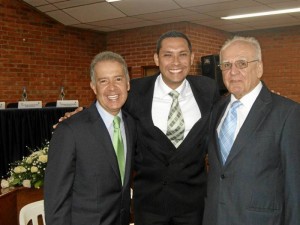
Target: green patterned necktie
(118, 146)
(175, 129)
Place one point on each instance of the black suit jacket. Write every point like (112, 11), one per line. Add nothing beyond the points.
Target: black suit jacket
(169, 181)
(82, 183)
(259, 183)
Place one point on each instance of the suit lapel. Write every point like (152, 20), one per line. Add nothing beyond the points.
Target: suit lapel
(145, 114)
(129, 152)
(146, 101)
(102, 138)
(256, 116)
(201, 97)
(205, 106)
(217, 116)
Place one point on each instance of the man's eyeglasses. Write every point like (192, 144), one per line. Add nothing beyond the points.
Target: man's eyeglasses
(240, 64)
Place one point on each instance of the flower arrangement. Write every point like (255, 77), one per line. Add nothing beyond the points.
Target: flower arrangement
(30, 171)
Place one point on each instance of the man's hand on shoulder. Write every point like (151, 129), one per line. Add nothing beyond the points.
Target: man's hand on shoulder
(67, 115)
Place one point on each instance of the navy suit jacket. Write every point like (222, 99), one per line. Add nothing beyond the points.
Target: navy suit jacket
(169, 181)
(259, 183)
(82, 182)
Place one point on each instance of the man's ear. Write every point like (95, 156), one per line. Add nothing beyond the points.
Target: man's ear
(260, 69)
(192, 58)
(156, 59)
(128, 86)
(93, 87)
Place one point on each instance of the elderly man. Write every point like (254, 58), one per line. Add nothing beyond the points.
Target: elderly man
(254, 151)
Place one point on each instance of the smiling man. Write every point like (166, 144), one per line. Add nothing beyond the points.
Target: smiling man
(88, 172)
(172, 111)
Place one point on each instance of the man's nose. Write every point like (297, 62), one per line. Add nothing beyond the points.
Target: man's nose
(176, 59)
(234, 70)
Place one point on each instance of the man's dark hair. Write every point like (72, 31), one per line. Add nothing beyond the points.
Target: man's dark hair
(172, 34)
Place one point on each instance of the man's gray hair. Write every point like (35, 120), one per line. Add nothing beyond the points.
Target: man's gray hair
(249, 40)
(107, 56)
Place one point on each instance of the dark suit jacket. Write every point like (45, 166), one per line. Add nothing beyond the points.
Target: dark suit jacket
(169, 181)
(82, 183)
(259, 183)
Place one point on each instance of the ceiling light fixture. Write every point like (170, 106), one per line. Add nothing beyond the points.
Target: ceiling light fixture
(261, 14)
(113, 0)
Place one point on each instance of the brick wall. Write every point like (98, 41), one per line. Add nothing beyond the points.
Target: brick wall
(43, 55)
(280, 49)
(138, 46)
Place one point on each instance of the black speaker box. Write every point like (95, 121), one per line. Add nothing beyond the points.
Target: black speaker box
(210, 68)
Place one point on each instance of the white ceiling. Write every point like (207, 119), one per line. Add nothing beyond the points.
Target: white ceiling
(126, 14)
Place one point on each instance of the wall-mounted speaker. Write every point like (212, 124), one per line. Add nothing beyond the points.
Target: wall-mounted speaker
(210, 68)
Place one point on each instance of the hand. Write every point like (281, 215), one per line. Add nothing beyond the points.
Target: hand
(275, 92)
(278, 93)
(67, 115)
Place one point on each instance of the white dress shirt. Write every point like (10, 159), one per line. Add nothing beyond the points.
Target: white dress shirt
(242, 111)
(162, 102)
(108, 121)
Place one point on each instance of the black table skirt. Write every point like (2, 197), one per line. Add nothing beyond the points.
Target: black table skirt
(22, 128)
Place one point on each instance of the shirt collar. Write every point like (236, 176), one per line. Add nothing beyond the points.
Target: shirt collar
(162, 90)
(106, 116)
(249, 98)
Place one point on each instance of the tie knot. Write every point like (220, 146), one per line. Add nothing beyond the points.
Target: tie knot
(116, 122)
(235, 105)
(174, 94)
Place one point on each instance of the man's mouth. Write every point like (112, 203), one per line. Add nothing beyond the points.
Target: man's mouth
(175, 70)
(113, 97)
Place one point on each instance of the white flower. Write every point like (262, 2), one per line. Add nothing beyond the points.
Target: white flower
(19, 169)
(29, 160)
(43, 158)
(10, 179)
(26, 183)
(37, 153)
(33, 169)
(30, 170)
(4, 183)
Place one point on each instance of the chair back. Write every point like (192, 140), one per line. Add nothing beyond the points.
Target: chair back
(31, 212)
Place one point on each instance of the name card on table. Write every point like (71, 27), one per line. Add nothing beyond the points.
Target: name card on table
(2, 105)
(29, 104)
(67, 103)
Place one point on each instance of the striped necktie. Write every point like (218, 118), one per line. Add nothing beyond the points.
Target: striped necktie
(118, 146)
(175, 128)
(227, 130)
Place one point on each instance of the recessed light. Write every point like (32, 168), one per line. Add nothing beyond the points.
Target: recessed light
(261, 14)
(113, 0)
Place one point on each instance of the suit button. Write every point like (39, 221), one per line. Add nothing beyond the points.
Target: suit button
(222, 176)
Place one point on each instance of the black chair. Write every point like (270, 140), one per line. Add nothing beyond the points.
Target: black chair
(12, 105)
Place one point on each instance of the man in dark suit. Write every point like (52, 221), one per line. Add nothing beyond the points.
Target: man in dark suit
(87, 178)
(257, 180)
(170, 179)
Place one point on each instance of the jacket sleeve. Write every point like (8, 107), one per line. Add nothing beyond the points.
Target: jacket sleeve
(290, 150)
(59, 176)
